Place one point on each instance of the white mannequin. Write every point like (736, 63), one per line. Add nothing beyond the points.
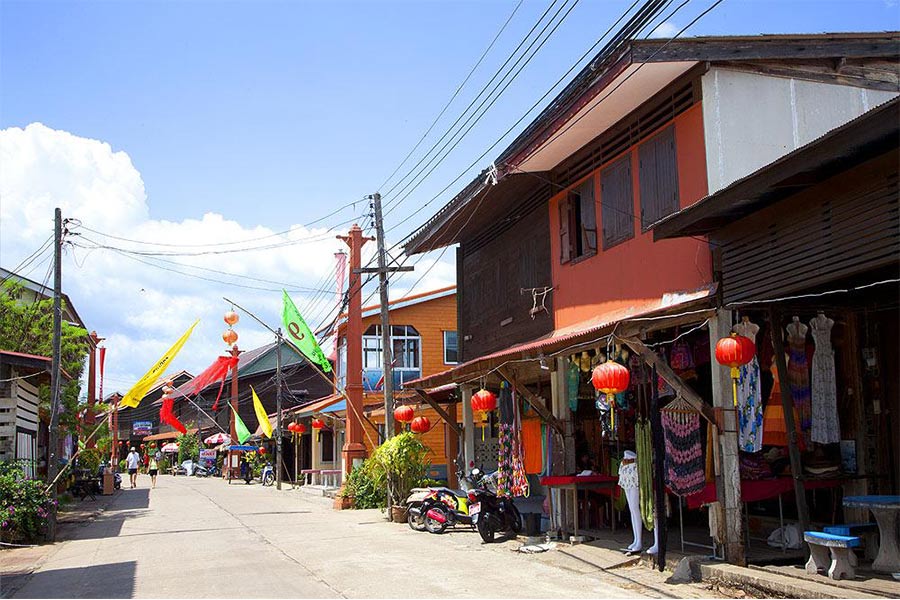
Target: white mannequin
(746, 328)
(796, 329)
(821, 322)
(628, 481)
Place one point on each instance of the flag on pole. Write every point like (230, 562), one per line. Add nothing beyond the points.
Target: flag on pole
(299, 333)
(140, 389)
(243, 434)
(261, 414)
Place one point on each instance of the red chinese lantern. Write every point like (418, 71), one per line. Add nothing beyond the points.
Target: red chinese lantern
(318, 423)
(420, 425)
(483, 402)
(611, 378)
(300, 428)
(262, 451)
(735, 351)
(231, 318)
(230, 336)
(404, 414)
(291, 427)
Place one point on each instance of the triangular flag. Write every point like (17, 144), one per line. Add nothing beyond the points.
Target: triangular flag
(261, 414)
(140, 389)
(299, 333)
(243, 434)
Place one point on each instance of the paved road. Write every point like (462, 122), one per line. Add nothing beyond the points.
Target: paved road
(204, 538)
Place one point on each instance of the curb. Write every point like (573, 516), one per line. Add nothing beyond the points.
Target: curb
(773, 583)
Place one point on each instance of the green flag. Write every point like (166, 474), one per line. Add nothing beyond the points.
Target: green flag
(298, 332)
(243, 434)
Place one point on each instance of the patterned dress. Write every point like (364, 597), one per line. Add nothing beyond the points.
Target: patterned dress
(798, 377)
(825, 426)
(750, 408)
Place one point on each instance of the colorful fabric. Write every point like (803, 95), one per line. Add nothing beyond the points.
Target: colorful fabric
(798, 378)
(261, 415)
(532, 446)
(825, 426)
(774, 425)
(298, 332)
(151, 378)
(214, 372)
(511, 478)
(684, 455)
(573, 381)
(243, 434)
(644, 445)
(166, 415)
(750, 408)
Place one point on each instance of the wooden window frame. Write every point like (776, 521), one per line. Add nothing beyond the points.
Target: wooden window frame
(614, 209)
(578, 223)
(652, 182)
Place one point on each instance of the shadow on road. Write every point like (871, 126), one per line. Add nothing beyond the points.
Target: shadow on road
(128, 504)
(115, 580)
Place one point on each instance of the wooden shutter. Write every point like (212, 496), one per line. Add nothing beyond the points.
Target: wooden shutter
(658, 177)
(565, 243)
(617, 202)
(588, 218)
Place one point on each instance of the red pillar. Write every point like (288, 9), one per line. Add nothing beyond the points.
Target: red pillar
(354, 448)
(92, 388)
(233, 471)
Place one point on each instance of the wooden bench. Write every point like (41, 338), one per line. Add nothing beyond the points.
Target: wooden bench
(868, 532)
(831, 552)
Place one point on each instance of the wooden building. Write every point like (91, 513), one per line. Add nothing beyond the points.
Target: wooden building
(558, 266)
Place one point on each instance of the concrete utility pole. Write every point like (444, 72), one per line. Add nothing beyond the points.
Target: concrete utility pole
(53, 450)
(92, 385)
(386, 354)
(278, 387)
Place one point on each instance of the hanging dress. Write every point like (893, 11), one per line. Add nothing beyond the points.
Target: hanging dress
(685, 472)
(798, 377)
(750, 404)
(825, 426)
(511, 479)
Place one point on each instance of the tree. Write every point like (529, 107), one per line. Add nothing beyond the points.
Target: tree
(28, 327)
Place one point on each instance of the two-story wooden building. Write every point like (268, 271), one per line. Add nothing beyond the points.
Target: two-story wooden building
(558, 269)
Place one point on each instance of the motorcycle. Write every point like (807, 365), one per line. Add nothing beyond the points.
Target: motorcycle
(268, 475)
(491, 513)
(204, 469)
(443, 507)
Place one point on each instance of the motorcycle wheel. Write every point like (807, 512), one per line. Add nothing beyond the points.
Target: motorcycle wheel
(269, 479)
(486, 528)
(415, 523)
(433, 525)
(515, 519)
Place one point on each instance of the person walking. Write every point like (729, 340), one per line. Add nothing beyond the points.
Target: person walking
(153, 469)
(132, 462)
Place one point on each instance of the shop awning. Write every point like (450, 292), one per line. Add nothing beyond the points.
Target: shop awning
(169, 435)
(646, 315)
(317, 406)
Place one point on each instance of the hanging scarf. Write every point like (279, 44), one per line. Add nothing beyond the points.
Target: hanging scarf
(684, 455)
(511, 479)
(645, 470)
(166, 415)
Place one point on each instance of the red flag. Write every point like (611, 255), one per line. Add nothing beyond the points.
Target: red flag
(167, 416)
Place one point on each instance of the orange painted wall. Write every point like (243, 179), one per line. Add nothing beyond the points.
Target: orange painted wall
(639, 270)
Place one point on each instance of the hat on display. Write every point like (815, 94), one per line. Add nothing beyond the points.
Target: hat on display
(629, 454)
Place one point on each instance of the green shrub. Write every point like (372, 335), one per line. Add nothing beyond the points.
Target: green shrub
(90, 459)
(188, 448)
(24, 505)
(366, 484)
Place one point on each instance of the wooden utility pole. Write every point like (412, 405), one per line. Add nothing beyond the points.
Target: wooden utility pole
(53, 450)
(279, 382)
(232, 431)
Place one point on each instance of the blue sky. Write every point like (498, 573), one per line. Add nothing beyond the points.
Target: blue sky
(188, 122)
(271, 111)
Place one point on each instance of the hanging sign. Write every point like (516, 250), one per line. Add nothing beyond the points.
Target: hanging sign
(141, 428)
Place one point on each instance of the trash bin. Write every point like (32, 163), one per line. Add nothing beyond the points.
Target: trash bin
(109, 483)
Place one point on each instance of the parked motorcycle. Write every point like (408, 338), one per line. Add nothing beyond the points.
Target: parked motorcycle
(491, 513)
(268, 475)
(444, 507)
(204, 469)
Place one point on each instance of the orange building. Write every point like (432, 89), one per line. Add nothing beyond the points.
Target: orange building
(423, 342)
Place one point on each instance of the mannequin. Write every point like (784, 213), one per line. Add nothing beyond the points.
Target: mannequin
(798, 372)
(825, 426)
(628, 481)
(750, 404)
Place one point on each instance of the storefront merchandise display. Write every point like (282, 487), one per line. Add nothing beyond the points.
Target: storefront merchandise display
(645, 470)
(630, 484)
(825, 426)
(684, 455)
(750, 406)
(511, 478)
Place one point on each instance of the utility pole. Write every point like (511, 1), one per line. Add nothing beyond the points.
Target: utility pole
(52, 452)
(233, 455)
(278, 388)
(92, 385)
(386, 354)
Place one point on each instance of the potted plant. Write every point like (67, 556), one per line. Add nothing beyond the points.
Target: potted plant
(402, 459)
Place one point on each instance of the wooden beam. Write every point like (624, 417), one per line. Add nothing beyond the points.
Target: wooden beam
(423, 395)
(534, 401)
(666, 372)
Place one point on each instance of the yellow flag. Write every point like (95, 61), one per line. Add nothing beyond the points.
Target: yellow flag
(261, 414)
(140, 389)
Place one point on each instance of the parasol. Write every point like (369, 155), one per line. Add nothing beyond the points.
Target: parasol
(170, 447)
(218, 438)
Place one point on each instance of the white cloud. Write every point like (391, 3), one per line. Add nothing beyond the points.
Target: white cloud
(665, 30)
(141, 309)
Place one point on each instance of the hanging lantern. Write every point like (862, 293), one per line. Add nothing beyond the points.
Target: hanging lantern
(299, 428)
(735, 351)
(230, 336)
(231, 318)
(290, 427)
(167, 390)
(611, 378)
(483, 402)
(261, 450)
(318, 423)
(404, 414)
(420, 425)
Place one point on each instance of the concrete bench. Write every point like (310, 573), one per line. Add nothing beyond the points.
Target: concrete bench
(309, 476)
(331, 477)
(831, 552)
(868, 532)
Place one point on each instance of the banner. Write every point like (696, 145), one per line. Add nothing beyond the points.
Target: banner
(141, 428)
(243, 434)
(261, 415)
(151, 377)
(299, 333)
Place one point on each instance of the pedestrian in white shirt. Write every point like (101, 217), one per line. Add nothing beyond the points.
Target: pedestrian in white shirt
(133, 461)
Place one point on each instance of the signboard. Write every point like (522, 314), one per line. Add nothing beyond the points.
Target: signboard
(141, 428)
(208, 455)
